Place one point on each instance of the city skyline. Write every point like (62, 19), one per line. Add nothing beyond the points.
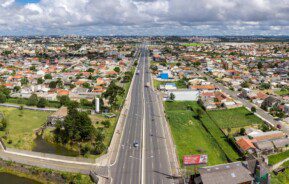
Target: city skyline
(144, 17)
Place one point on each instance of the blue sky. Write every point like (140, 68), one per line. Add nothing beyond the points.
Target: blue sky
(27, 1)
(144, 17)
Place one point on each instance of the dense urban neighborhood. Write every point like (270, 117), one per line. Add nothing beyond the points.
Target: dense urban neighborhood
(116, 109)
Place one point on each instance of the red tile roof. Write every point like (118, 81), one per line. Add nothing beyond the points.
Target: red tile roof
(245, 144)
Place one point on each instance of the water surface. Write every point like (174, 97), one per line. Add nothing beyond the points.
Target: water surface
(13, 179)
(43, 146)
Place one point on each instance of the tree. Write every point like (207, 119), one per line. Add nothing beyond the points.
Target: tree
(229, 130)
(260, 65)
(24, 81)
(59, 83)
(90, 70)
(264, 86)
(48, 76)
(112, 92)
(17, 88)
(117, 69)
(153, 68)
(53, 84)
(264, 127)
(242, 131)
(76, 127)
(41, 103)
(199, 113)
(106, 123)
(33, 68)
(245, 85)
(86, 85)
(253, 109)
(2, 97)
(99, 147)
(3, 124)
(32, 100)
(172, 96)
(85, 102)
(40, 80)
(64, 100)
(5, 91)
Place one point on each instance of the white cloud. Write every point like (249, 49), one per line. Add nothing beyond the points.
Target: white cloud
(6, 3)
(144, 16)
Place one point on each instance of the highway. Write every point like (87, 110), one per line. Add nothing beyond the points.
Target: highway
(149, 162)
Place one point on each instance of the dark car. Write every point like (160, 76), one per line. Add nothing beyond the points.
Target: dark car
(135, 144)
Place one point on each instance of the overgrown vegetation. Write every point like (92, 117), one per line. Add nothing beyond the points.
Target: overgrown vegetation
(77, 128)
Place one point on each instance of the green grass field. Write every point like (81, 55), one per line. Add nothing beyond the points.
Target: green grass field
(220, 137)
(273, 159)
(282, 92)
(193, 44)
(21, 126)
(204, 131)
(179, 84)
(189, 135)
(234, 118)
(281, 178)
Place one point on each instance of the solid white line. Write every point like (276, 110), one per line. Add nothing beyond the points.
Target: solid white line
(143, 134)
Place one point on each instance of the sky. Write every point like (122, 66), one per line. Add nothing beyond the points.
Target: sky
(144, 17)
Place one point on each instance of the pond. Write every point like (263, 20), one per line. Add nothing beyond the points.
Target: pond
(13, 179)
(43, 146)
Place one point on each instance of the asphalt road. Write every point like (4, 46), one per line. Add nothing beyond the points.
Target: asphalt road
(157, 162)
(128, 164)
(148, 163)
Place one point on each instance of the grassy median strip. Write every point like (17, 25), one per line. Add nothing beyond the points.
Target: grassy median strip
(189, 135)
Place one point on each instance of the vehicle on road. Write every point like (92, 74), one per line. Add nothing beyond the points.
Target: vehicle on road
(135, 144)
(147, 85)
(137, 72)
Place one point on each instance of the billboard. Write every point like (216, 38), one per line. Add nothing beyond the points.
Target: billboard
(195, 159)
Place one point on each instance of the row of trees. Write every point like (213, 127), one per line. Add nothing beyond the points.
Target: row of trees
(4, 94)
(33, 100)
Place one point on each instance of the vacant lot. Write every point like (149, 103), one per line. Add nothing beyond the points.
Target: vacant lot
(234, 118)
(189, 134)
(21, 126)
(179, 84)
(220, 137)
(97, 119)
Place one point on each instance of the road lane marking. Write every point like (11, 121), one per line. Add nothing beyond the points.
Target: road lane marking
(143, 134)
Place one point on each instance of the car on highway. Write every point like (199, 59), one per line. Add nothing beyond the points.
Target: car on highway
(135, 144)
(147, 85)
